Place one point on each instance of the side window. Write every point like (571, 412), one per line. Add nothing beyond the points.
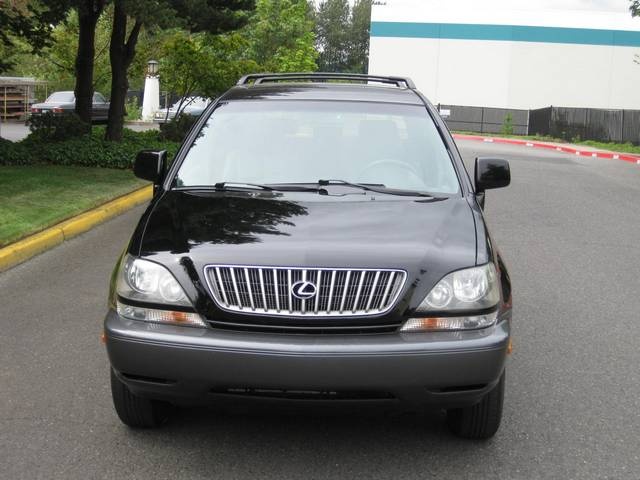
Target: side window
(98, 98)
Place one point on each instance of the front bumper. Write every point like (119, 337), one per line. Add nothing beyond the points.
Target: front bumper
(191, 365)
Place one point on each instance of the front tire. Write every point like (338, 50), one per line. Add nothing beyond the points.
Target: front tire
(482, 420)
(135, 411)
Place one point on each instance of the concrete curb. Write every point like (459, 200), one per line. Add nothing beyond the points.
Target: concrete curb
(626, 157)
(22, 250)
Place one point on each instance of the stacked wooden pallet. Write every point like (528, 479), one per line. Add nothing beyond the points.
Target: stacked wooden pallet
(16, 97)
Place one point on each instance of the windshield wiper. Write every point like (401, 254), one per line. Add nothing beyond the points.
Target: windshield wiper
(269, 188)
(243, 186)
(234, 185)
(378, 188)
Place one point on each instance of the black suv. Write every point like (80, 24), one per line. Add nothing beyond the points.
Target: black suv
(316, 237)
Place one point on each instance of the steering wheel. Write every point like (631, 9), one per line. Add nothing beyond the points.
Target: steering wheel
(390, 162)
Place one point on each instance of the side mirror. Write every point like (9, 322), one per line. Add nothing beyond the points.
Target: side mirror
(150, 165)
(491, 173)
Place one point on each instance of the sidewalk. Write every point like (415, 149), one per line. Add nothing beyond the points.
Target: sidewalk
(13, 131)
(16, 131)
(580, 150)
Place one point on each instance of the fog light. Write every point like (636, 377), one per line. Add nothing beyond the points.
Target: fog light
(435, 324)
(153, 315)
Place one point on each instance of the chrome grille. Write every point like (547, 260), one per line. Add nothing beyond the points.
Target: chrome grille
(339, 291)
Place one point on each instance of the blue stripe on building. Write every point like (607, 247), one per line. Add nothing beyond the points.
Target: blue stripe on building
(508, 33)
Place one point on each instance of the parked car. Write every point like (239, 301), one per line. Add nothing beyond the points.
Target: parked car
(65, 102)
(314, 240)
(193, 106)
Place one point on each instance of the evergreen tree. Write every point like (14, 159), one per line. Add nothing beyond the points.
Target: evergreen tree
(358, 58)
(342, 35)
(332, 30)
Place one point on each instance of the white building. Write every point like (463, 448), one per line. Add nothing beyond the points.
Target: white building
(509, 53)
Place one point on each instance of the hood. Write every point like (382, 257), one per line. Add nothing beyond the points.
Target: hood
(305, 229)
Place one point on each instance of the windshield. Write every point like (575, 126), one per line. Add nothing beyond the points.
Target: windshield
(62, 97)
(282, 142)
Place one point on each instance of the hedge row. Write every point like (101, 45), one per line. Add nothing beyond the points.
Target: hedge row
(90, 150)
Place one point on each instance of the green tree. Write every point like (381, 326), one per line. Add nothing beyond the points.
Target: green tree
(343, 35)
(185, 62)
(26, 24)
(229, 57)
(214, 16)
(34, 22)
(40, 18)
(278, 38)
(89, 11)
(57, 62)
(358, 44)
(281, 36)
(202, 63)
(332, 31)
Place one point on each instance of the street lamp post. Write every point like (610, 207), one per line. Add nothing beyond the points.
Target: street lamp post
(151, 99)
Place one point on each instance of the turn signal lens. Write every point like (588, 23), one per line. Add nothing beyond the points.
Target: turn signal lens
(436, 324)
(153, 315)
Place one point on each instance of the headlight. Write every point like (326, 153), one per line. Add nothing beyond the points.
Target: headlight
(144, 281)
(150, 282)
(470, 289)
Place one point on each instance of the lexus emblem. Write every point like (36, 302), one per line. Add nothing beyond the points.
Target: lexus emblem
(303, 290)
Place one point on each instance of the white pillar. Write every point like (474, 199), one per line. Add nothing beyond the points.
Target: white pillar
(151, 99)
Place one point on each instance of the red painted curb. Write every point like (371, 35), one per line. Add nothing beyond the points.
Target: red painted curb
(627, 157)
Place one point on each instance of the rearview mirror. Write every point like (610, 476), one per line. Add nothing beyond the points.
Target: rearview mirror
(491, 173)
(150, 164)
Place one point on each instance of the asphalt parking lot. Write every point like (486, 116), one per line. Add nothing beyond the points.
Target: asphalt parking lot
(569, 228)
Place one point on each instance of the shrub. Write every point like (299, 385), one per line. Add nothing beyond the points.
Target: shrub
(507, 125)
(177, 129)
(134, 111)
(49, 126)
(90, 150)
(12, 153)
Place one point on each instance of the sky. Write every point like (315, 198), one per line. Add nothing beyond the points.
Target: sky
(586, 14)
(607, 5)
(603, 5)
(619, 6)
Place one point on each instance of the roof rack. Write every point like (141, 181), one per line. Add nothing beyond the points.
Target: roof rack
(259, 78)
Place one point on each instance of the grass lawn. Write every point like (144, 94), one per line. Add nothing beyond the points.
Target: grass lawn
(35, 197)
(612, 147)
